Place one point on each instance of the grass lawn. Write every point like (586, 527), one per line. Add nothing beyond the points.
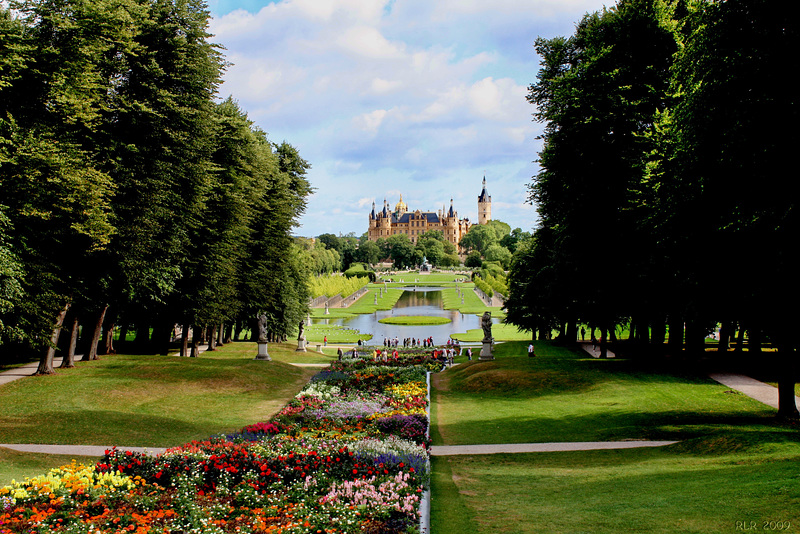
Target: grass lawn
(16, 465)
(152, 400)
(735, 462)
(500, 332)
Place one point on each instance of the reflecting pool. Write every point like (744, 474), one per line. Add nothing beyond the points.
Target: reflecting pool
(415, 301)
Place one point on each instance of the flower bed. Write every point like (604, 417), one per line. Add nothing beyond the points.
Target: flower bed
(348, 455)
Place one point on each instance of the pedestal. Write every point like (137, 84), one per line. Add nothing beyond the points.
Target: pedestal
(262, 352)
(301, 345)
(487, 350)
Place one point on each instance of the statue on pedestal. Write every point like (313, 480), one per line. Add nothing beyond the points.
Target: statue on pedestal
(487, 350)
(301, 339)
(262, 339)
(486, 324)
(262, 328)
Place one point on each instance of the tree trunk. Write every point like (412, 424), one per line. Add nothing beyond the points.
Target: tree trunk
(572, 332)
(695, 339)
(644, 332)
(229, 333)
(221, 335)
(659, 333)
(196, 334)
(212, 338)
(544, 333)
(237, 330)
(108, 346)
(725, 331)
(123, 334)
(603, 342)
(98, 329)
(184, 340)
(740, 339)
(69, 358)
(46, 362)
(754, 339)
(159, 341)
(787, 365)
(675, 341)
(142, 341)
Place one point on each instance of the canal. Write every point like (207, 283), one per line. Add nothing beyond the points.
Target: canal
(413, 301)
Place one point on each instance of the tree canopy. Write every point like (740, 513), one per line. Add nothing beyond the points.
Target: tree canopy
(129, 194)
(661, 194)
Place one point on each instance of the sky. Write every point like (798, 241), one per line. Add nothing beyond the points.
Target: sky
(422, 98)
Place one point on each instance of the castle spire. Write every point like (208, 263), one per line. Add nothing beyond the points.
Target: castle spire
(484, 205)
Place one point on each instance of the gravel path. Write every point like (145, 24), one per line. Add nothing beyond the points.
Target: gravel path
(451, 450)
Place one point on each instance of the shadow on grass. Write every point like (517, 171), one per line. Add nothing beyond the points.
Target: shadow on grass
(105, 427)
(554, 371)
(621, 425)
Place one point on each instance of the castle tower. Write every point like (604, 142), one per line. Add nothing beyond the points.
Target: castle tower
(401, 207)
(484, 205)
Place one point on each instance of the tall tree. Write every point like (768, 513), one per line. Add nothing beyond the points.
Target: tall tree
(598, 92)
(159, 133)
(725, 179)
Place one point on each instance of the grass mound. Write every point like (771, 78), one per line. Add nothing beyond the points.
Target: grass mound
(414, 320)
(513, 376)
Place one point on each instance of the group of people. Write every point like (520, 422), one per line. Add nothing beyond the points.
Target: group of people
(414, 342)
(446, 354)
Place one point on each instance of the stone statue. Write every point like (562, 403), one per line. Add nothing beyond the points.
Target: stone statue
(301, 335)
(262, 328)
(486, 324)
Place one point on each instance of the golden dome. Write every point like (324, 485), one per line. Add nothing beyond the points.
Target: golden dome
(401, 206)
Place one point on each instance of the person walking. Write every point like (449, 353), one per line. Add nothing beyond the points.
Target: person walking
(325, 340)
(469, 353)
(530, 351)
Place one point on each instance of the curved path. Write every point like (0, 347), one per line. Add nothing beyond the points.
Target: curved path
(451, 450)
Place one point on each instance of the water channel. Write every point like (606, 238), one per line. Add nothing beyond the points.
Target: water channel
(416, 301)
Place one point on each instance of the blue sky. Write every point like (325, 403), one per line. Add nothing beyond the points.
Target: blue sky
(387, 97)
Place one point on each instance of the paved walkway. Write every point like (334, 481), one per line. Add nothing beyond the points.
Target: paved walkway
(77, 450)
(751, 387)
(594, 351)
(451, 450)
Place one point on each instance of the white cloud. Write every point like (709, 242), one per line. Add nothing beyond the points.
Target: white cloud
(417, 96)
(369, 43)
(370, 122)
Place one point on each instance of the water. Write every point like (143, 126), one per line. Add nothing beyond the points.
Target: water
(419, 301)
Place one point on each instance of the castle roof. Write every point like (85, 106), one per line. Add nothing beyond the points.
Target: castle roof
(484, 196)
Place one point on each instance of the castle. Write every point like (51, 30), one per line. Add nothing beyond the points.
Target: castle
(385, 223)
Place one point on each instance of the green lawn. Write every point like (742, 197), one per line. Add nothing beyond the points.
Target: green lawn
(735, 462)
(16, 465)
(500, 332)
(152, 400)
